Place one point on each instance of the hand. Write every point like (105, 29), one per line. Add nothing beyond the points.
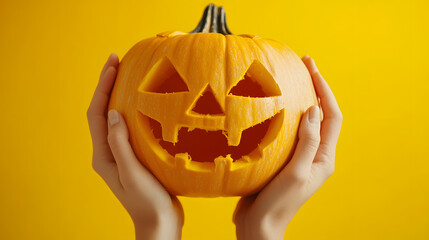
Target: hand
(267, 214)
(156, 214)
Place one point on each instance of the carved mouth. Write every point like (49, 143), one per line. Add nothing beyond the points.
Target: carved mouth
(204, 146)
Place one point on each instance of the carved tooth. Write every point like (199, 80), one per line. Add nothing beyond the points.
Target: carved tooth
(182, 159)
(234, 136)
(169, 133)
(247, 158)
(223, 164)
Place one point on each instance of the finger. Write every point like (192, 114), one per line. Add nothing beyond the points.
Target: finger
(131, 171)
(331, 124)
(97, 120)
(96, 111)
(111, 61)
(327, 98)
(333, 118)
(102, 92)
(308, 142)
(102, 156)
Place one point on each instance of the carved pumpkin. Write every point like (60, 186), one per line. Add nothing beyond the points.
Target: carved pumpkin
(211, 113)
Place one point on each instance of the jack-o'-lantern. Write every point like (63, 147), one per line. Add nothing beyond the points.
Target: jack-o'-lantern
(211, 113)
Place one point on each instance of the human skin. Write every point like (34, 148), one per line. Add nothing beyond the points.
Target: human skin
(155, 213)
(158, 215)
(267, 214)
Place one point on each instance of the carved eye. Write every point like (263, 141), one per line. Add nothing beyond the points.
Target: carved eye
(257, 82)
(163, 78)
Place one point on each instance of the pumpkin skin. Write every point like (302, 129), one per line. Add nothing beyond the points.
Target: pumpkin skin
(211, 114)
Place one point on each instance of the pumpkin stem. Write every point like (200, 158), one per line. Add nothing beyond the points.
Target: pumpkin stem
(213, 21)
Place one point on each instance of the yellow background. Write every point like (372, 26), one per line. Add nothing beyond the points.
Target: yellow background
(373, 53)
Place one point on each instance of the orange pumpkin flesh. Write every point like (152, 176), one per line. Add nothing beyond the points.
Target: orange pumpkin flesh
(211, 114)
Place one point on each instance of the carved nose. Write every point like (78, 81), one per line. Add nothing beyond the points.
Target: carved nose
(207, 104)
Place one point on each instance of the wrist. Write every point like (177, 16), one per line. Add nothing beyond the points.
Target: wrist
(267, 227)
(158, 227)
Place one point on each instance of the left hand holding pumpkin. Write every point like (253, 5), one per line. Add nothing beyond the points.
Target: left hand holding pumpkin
(267, 214)
(155, 213)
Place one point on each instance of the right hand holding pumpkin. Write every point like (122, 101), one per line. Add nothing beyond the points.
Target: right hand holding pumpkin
(267, 214)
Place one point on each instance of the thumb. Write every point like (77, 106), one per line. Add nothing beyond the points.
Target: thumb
(308, 141)
(129, 167)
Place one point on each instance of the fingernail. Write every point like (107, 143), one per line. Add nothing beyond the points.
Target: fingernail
(314, 114)
(113, 117)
